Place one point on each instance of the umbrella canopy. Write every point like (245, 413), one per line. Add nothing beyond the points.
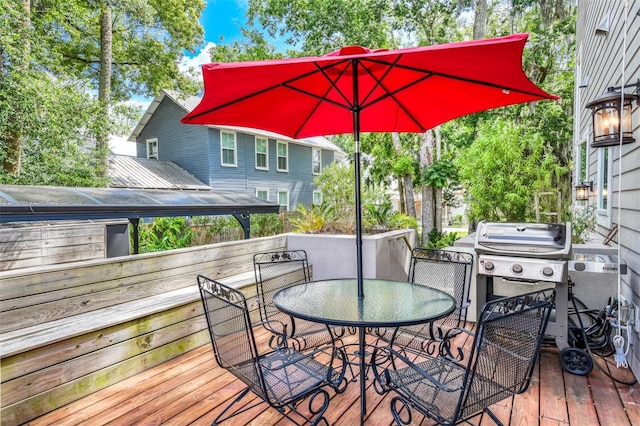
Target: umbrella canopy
(360, 90)
(404, 90)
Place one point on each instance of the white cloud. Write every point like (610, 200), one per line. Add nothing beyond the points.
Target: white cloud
(194, 62)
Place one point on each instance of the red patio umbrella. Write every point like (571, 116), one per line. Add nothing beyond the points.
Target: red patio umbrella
(360, 90)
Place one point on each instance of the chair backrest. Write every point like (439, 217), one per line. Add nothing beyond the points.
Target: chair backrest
(507, 343)
(276, 270)
(449, 271)
(230, 329)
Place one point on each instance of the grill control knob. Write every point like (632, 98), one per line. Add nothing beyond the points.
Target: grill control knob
(489, 266)
(547, 271)
(517, 268)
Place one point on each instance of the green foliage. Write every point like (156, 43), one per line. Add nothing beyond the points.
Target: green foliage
(336, 183)
(164, 233)
(252, 48)
(149, 38)
(263, 225)
(311, 220)
(397, 220)
(583, 222)
(439, 174)
(55, 120)
(404, 165)
(503, 169)
(217, 225)
(377, 214)
(50, 117)
(438, 239)
(320, 26)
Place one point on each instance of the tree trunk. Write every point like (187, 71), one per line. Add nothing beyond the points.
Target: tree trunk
(480, 20)
(13, 140)
(403, 204)
(407, 181)
(104, 88)
(438, 191)
(426, 159)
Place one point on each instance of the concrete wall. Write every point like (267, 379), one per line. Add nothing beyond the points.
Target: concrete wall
(385, 255)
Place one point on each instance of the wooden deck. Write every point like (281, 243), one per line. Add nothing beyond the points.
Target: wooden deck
(192, 389)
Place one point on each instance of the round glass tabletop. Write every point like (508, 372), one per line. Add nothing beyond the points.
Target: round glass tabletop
(385, 303)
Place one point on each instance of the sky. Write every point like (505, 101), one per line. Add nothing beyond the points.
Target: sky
(220, 18)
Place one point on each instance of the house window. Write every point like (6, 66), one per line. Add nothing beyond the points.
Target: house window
(228, 147)
(316, 161)
(262, 193)
(262, 154)
(152, 148)
(283, 199)
(317, 197)
(582, 158)
(604, 178)
(283, 157)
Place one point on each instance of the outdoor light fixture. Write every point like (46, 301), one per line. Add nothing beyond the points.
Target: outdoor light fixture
(583, 190)
(608, 114)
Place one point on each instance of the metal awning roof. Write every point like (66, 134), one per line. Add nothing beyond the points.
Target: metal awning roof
(39, 203)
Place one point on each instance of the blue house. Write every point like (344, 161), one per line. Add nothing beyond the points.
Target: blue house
(268, 165)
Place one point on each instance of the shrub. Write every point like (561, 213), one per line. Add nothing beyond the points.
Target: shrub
(164, 233)
(583, 222)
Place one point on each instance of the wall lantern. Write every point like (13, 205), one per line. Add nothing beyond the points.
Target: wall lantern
(607, 115)
(583, 190)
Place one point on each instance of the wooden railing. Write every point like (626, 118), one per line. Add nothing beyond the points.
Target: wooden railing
(70, 330)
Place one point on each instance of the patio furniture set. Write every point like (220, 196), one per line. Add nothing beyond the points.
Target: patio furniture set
(412, 324)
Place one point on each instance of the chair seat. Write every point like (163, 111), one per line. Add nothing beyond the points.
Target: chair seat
(288, 375)
(442, 403)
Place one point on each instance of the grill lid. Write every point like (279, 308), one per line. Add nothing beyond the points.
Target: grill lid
(541, 240)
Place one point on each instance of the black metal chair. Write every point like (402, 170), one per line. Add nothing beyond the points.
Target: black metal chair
(274, 271)
(449, 271)
(280, 377)
(507, 342)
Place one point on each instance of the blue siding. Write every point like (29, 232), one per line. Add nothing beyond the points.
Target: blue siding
(185, 145)
(197, 150)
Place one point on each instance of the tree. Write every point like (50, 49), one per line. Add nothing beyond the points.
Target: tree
(114, 48)
(503, 168)
(321, 26)
(15, 50)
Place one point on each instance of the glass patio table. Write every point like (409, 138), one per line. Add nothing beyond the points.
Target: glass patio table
(385, 304)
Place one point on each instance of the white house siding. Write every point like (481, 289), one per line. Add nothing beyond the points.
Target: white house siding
(599, 59)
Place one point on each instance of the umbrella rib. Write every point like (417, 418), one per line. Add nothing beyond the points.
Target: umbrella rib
(391, 94)
(323, 98)
(454, 77)
(286, 84)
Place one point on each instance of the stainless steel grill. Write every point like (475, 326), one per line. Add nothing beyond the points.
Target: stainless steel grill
(525, 254)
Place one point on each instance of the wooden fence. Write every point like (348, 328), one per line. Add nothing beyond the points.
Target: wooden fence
(43, 243)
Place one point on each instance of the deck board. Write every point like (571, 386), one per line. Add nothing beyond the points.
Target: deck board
(192, 389)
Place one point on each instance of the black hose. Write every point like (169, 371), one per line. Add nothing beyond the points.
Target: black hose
(586, 339)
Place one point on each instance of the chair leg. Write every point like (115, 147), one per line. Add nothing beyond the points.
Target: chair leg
(399, 406)
(242, 394)
(316, 416)
(493, 416)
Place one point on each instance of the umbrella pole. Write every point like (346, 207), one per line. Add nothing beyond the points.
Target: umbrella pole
(356, 161)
